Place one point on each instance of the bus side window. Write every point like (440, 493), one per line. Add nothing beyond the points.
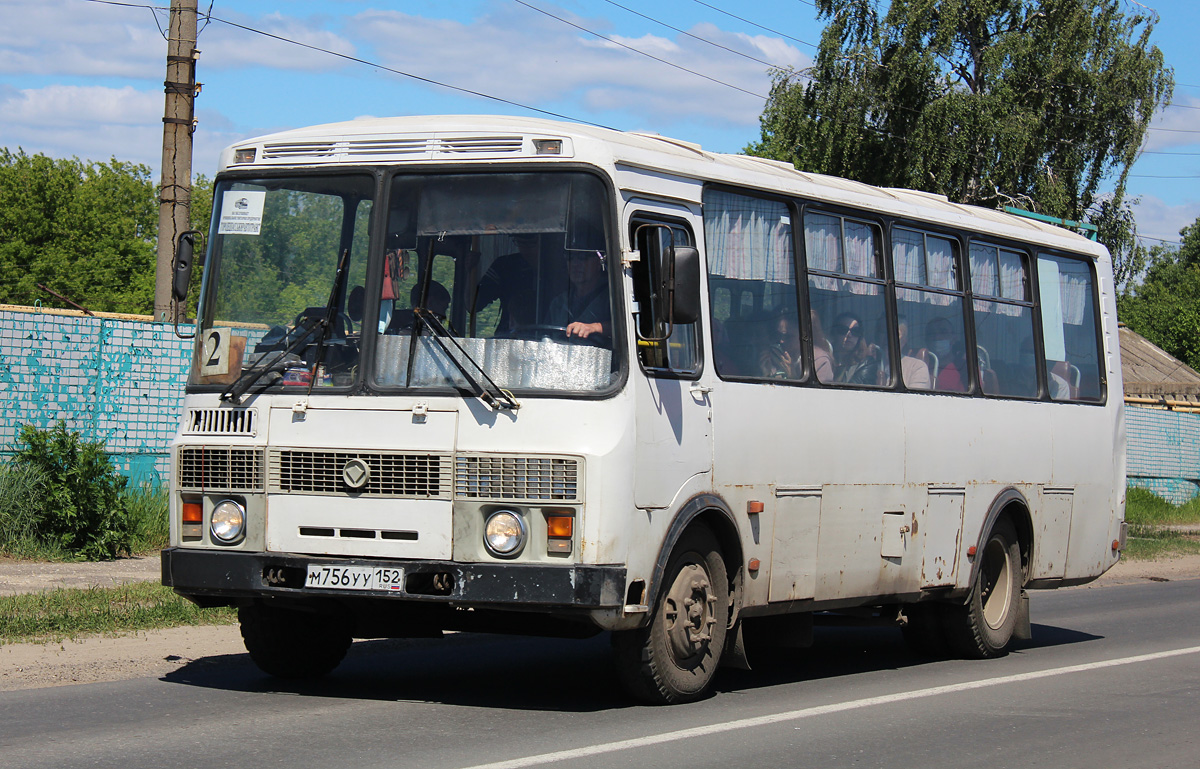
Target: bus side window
(1067, 293)
(752, 281)
(662, 348)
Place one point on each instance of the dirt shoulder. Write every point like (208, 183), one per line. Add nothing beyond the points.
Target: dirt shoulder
(162, 652)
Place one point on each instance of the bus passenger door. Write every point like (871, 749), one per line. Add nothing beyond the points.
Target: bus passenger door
(674, 422)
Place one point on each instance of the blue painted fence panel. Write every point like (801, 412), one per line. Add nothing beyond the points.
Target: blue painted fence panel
(1164, 452)
(110, 379)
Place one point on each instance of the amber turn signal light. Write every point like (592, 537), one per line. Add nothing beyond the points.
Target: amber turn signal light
(192, 512)
(559, 526)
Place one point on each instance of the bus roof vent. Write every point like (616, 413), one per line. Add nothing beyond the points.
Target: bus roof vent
(298, 150)
(494, 145)
(398, 146)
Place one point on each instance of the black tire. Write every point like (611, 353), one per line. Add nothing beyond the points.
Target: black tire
(292, 644)
(983, 627)
(675, 657)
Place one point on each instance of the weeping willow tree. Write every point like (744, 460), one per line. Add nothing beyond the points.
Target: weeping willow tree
(1040, 104)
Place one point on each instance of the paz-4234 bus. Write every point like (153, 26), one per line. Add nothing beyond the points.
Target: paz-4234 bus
(513, 375)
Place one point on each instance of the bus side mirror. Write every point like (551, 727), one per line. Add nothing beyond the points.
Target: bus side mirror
(184, 250)
(682, 284)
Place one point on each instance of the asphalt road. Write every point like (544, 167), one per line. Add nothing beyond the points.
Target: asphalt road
(1111, 679)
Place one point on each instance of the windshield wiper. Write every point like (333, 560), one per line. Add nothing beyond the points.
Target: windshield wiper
(493, 395)
(282, 361)
(304, 336)
(496, 397)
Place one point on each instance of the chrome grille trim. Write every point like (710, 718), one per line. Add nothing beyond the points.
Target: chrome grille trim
(528, 478)
(407, 475)
(220, 468)
(222, 422)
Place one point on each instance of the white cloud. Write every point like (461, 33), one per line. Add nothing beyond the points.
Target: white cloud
(98, 123)
(67, 37)
(517, 54)
(228, 47)
(1175, 126)
(1157, 219)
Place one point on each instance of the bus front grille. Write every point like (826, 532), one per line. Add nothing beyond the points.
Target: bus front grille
(538, 479)
(220, 468)
(401, 475)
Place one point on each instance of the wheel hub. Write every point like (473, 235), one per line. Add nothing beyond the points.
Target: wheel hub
(690, 611)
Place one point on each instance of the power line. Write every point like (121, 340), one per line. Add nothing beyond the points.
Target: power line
(756, 24)
(376, 65)
(1155, 176)
(695, 37)
(642, 53)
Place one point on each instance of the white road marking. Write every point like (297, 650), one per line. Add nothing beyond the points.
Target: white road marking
(821, 710)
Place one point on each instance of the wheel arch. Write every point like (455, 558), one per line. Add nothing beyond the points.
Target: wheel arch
(1011, 504)
(711, 511)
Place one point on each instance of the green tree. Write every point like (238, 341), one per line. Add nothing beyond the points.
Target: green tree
(1032, 103)
(83, 229)
(1165, 306)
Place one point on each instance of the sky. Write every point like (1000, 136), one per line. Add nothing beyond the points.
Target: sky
(84, 78)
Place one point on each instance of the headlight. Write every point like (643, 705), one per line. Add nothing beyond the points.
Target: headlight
(504, 533)
(228, 522)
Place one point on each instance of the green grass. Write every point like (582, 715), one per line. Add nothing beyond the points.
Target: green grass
(69, 612)
(1147, 514)
(1145, 507)
(151, 526)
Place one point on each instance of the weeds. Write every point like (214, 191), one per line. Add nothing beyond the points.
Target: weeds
(62, 499)
(67, 613)
(1149, 517)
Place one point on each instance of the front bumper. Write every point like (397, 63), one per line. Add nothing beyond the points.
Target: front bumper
(215, 576)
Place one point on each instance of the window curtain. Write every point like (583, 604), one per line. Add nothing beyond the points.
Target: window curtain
(748, 238)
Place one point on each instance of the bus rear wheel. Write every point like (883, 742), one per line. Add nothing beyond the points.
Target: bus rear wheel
(292, 644)
(983, 627)
(675, 657)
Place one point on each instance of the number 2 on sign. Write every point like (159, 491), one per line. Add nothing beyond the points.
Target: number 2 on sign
(214, 354)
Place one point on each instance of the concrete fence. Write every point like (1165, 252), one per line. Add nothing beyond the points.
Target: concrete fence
(111, 378)
(1164, 452)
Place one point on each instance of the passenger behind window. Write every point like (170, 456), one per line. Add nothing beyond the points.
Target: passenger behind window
(822, 350)
(1059, 380)
(513, 279)
(438, 302)
(782, 358)
(913, 368)
(942, 341)
(354, 305)
(724, 350)
(584, 310)
(855, 363)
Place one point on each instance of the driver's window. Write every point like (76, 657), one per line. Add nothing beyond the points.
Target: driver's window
(663, 348)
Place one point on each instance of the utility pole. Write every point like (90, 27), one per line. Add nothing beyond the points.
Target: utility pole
(175, 196)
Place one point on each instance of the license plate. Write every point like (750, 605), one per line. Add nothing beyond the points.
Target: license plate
(354, 577)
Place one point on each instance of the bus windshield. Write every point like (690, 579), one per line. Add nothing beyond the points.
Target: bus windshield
(498, 278)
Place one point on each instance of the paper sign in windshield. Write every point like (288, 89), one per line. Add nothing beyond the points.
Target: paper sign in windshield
(242, 212)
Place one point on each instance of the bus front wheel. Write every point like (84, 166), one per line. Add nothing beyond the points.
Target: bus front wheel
(674, 658)
(292, 644)
(984, 626)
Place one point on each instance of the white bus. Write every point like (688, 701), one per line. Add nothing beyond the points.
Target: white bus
(513, 375)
